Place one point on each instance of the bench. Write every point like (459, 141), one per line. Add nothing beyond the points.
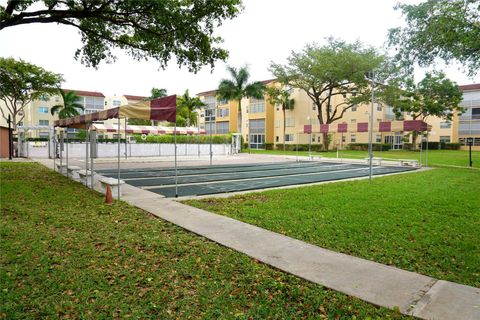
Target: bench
(409, 163)
(73, 172)
(62, 168)
(86, 177)
(375, 160)
(114, 185)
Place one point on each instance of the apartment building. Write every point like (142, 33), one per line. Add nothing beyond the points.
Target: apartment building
(221, 117)
(37, 112)
(469, 120)
(264, 123)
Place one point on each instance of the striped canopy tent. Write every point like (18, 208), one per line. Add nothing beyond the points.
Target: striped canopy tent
(382, 126)
(154, 130)
(160, 109)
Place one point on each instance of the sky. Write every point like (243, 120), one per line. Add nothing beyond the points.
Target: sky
(266, 31)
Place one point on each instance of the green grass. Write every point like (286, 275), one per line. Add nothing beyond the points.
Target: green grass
(435, 157)
(64, 254)
(426, 222)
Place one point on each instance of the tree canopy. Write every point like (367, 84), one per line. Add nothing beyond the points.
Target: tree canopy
(324, 72)
(186, 105)
(143, 29)
(238, 87)
(435, 95)
(70, 105)
(22, 82)
(449, 30)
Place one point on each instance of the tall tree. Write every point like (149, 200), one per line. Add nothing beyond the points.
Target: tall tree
(280, 96)
(143, 29)
(186, 105)
(449, 30)
(157, 93)
(22, 82)
(70, 105)
(336, 69)
(435, 95)
(238, 87)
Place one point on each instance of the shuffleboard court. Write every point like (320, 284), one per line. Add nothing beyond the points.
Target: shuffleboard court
(157, 181)
(263, 183)
(206, 180)
(186, 171)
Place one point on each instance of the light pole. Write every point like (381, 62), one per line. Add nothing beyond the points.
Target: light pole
(370, 137)
(310, 137)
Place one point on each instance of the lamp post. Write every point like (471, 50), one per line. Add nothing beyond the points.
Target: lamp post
(370, 137)
(310, 137)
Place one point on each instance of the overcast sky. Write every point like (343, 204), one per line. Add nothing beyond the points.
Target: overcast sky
(267, 30)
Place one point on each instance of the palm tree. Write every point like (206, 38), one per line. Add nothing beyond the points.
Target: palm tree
(238, 87)
(70, 105)
(187, 105)
(279, 96)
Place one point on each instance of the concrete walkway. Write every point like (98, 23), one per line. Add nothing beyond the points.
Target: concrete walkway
(412, 293)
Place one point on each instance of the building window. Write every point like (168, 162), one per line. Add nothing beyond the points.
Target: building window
(354, 108)
(222, 112)
(116, 103)
(223, 127)
(445, 125)
(475, 113)
(378, 138)
(257, 105)
(57, 98)
(43, 122)
(343, 138)
(42, 109)
(210, 127)
(314, 106)
(257, 141)
(290, 122)
(209, 115)
(257, 126)
(277, 138)
(289, 137)
(445, 139)
(44, 97)
(318, 139)
(221, 102)
(353, 138)
(379, 107)
(353, 121)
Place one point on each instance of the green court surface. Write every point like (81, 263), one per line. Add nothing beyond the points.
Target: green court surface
(205, 180)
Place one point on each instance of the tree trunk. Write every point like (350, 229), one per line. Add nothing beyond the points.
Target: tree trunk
(239, 123)
(414, 140)
(325, 141)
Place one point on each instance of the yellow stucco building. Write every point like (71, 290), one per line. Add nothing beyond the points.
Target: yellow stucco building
(263, 123)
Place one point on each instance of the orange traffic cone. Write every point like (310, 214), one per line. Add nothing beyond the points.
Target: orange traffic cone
(108, 195)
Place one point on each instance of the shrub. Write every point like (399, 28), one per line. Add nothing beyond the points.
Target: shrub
(269, 146)
(452, 146)
(169, 138)
(365, 146)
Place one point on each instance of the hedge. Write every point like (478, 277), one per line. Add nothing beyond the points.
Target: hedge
(301, 147)
(168, 138)
(365, 146)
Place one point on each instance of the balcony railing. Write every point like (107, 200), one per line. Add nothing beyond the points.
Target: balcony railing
(469, 117)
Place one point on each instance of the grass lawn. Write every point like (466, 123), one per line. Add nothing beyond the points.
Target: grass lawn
(64, 254)
(435, 157)
(426, 222)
